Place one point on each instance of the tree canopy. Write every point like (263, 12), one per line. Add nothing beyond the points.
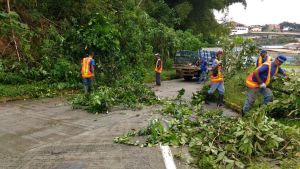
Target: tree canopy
(41, 38)
(191, 14)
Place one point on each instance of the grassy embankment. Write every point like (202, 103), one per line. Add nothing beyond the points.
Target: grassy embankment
(44, 89)
(168, 74)
(9, 92)
(291, 66)
(235, 91)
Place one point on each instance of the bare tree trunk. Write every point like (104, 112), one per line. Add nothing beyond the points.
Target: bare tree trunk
(13, 32)
(140, 3)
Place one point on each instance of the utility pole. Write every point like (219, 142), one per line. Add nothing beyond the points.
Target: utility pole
(13, 31)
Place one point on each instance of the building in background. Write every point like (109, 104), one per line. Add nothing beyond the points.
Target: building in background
(286, 29)
(271, 28)
(256, 29)
(238, 29)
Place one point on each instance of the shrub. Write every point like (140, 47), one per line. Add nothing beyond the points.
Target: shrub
(65, 71)
(12, 78)
(126, 92)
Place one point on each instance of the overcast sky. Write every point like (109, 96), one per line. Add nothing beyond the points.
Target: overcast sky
(264, 12)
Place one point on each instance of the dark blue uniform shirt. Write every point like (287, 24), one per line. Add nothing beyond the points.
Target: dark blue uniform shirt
(263, 72)
(203, 66)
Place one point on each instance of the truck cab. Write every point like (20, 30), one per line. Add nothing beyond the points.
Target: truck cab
(185, 64)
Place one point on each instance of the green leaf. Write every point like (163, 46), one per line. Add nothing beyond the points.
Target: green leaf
(214, 151)
(221, 156)
(260, 138)
(230, 166)
(239, 133)
(228, 161)
(239, 164)
(278, 139)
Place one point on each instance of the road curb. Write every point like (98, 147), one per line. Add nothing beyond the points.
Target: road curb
(9, 99)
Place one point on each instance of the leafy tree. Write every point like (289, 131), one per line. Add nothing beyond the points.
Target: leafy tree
(160, 10)
(238, 54)
(200, 17)
(292, 26)
(14, 30)
(124, 36)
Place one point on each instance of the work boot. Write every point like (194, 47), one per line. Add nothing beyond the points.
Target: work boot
(243, 113)
(207, 98)
(220, 100)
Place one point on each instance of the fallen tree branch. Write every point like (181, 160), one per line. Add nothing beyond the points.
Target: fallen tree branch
(292, 112)
(50, 21)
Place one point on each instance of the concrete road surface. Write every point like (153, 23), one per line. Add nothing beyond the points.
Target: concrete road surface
(49, 134)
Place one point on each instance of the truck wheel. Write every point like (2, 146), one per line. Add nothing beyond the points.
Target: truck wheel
(188, 78)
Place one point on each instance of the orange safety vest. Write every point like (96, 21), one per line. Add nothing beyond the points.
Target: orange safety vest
(269, 59)
(219, 77)
(86, 68)
(158, 69)
(252, 84)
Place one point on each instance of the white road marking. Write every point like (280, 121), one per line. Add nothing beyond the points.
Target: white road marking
(168, 157)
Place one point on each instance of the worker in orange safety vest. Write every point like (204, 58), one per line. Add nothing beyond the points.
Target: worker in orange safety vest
(258, 81)
(87, 72)
(158, 69)
(216, 79)
(263, 58)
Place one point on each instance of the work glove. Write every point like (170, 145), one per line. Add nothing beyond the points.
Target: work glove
(263, 85)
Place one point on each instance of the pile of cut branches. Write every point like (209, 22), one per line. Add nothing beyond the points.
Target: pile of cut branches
(216, 141)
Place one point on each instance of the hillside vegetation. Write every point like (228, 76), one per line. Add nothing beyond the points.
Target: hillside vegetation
(45, 40)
